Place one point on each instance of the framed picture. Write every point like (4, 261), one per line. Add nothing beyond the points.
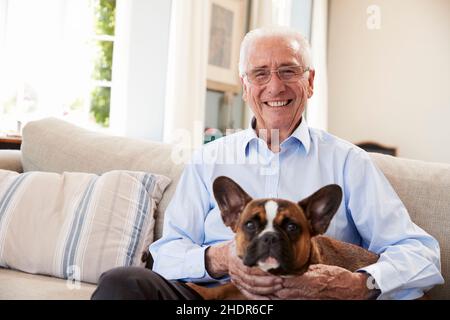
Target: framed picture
(227, 28)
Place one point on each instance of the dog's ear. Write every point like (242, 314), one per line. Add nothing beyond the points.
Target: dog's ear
(231, 200)
(321, 206)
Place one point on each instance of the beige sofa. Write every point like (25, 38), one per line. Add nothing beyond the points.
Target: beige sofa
(56, 146)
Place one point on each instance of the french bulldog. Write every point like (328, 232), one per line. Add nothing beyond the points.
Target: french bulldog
(280, 236)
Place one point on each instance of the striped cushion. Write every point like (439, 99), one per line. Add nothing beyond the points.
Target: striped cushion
(76, 225)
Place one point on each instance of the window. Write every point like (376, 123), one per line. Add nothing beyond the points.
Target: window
(56, 60)
(104, 11)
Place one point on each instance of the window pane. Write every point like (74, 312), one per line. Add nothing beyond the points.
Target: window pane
(103, 60)
(105, 12)
(100, 102)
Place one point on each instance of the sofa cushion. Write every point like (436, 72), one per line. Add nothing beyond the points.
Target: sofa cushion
(54, 145)
(424, 188)
(17, 285)
(76, 225)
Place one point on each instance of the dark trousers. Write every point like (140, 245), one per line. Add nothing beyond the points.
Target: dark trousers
(135, 283)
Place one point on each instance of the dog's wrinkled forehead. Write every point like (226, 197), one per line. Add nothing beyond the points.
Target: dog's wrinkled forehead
(272, 211)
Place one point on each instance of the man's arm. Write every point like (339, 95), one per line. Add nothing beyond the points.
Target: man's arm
(409, 261)
(179, 253)
(327, 282)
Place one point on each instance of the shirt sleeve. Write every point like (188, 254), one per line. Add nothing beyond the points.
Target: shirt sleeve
(409, 262)
(180, 253)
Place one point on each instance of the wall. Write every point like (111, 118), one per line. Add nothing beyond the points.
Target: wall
(391, 84)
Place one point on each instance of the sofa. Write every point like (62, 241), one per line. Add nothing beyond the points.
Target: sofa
(53, 145)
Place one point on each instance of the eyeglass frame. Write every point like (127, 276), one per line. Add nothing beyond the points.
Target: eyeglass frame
(278, 74)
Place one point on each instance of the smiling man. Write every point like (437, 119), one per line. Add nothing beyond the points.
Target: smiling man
(279, 156)
(278, 101)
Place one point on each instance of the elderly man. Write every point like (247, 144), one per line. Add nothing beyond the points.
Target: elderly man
(279, 156)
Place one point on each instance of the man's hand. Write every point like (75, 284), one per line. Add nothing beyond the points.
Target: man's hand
(319, 282)
(252, 282)
(326, 282)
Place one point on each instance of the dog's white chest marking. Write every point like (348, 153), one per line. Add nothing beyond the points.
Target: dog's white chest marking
(271, 212)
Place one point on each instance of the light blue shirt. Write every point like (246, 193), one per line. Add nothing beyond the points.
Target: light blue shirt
(371, 215)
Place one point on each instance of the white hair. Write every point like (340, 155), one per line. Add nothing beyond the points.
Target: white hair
(274, 32)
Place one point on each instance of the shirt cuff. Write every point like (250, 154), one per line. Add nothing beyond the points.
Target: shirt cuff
(386, 278)
(195, 265)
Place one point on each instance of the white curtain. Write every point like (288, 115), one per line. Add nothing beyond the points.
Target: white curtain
(317, 112)
(186, 79)
(265, 13)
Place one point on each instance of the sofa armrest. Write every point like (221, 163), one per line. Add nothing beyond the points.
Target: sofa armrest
(11, 160)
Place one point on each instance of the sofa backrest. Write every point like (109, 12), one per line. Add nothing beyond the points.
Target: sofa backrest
(424, 188)
(54, 145)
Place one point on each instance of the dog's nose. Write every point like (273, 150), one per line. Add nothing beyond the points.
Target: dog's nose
(269, 238)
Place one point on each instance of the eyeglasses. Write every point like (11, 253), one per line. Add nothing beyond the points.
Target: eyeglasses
(286, 74)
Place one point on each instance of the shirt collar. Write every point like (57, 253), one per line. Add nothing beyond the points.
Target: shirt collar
(301, 134)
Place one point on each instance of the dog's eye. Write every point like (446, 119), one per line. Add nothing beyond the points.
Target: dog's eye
(250, 225)
(291, 227)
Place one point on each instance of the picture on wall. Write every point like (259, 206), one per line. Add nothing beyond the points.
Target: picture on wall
(226, 31)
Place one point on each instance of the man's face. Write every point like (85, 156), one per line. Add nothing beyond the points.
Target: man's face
(272, 53)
